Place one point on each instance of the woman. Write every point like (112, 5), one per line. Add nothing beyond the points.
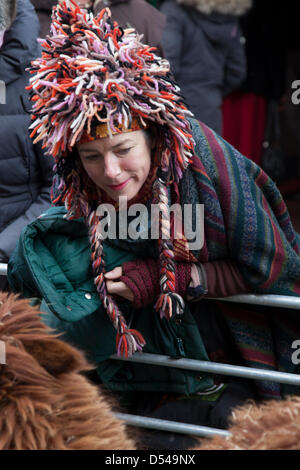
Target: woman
(106, 108)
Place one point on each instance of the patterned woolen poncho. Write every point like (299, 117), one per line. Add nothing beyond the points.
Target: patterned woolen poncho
(246, 219)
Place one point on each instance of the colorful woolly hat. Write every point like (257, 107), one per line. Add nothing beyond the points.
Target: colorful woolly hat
(91, 72)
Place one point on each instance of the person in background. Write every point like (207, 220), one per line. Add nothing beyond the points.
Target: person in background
(7, 16)
(43, 9)
(137, 14)
(203, 42)
(25, 172)
(245, 111)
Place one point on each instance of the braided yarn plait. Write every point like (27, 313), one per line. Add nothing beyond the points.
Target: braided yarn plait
(169, 302)
(127, 340)
(76, 202)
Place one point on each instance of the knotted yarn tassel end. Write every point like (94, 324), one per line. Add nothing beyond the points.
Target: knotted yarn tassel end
(169, 304)
(129, 342)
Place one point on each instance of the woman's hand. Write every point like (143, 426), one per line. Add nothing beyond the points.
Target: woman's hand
(142, 277)
(197, 286)
(114, 286)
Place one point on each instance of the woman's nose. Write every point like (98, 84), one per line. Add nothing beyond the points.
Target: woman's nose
(111, 166)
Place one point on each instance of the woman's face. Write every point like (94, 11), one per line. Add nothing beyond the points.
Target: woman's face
(119, 165)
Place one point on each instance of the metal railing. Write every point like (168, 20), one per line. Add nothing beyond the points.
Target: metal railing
(208, 367)
(270, 300)
(214, 368)
(3, 269)
(171, 426)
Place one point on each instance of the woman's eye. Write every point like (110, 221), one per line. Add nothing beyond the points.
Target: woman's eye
(90, 158)
(124, 151)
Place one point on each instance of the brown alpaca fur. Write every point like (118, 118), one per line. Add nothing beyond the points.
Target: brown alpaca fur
(45, 402)
(273, 425)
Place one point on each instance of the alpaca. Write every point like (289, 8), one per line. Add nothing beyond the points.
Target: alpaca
(272, 425)
(45, 401)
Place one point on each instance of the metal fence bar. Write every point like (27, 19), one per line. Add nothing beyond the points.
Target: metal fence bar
(269, 300)
(212, 367)
(171, 426)
(205, 366)
(3, 269)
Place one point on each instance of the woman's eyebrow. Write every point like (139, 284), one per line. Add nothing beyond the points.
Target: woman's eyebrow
(89, 150)
(94, 150)
(124, 142)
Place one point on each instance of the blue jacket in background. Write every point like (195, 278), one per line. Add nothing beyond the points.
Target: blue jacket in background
(207, 58)
(25, 172)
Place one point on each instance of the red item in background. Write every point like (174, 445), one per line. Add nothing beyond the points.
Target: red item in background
(244, 119)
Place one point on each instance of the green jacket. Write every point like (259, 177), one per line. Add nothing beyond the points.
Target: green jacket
(52, 262)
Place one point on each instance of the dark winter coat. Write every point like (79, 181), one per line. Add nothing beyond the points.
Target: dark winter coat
(206, 55)
(138, 14)
(267, 36)
(52, 262)
(25, 172)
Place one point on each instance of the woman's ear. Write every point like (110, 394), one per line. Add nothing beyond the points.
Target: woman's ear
(151, 136)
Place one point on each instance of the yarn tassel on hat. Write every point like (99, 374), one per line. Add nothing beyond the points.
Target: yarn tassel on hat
(128, 342)
(169, 304)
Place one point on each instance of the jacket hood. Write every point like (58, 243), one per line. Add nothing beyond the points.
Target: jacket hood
(107, 3)
(219, 28)
(7, 13)
(225, 7)
(20, 44)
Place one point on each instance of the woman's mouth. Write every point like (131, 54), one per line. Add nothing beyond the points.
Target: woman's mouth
(118, 187)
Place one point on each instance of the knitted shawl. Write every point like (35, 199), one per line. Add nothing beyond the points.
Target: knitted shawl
(245, 219)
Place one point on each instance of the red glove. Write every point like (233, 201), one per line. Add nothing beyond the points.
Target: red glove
(142, 277)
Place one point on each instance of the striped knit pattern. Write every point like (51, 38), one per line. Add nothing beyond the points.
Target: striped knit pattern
(247, 220)
(245, 217)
